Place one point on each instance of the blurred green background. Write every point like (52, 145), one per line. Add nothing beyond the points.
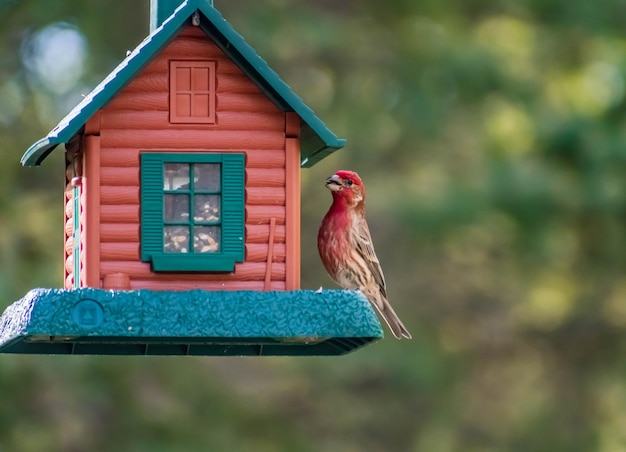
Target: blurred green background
(491, 136)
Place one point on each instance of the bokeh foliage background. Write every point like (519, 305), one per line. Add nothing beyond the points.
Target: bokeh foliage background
(492, 139)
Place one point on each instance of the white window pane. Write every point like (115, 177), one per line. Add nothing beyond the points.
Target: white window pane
(206, 208)
(176, 239)
(207, 176)
(176, 176)
(176, 208)
(206, 239)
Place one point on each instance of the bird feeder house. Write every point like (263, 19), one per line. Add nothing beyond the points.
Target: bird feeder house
(182, 209)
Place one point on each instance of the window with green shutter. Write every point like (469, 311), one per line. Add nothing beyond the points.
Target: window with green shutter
(192, 211)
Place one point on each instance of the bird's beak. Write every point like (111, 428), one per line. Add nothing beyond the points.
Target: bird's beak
(333, 183)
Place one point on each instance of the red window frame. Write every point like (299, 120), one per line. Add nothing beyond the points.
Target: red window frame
(192, 92)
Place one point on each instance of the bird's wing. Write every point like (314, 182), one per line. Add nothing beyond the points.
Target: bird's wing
(366, 248)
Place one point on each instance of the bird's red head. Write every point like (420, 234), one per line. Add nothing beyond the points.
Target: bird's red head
(347, 186)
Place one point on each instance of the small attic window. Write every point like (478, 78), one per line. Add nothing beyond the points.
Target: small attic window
(192, 211)
(192, 92)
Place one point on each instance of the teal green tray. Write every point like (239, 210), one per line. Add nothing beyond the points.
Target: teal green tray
(197, 322)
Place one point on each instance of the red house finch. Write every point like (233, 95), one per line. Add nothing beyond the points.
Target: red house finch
(346, 248)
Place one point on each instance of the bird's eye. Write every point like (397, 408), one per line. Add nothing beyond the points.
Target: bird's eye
(349, 182)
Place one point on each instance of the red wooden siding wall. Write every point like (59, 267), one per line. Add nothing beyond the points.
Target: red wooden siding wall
(137, 120)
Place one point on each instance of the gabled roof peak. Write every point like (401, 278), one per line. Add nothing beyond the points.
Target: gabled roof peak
(160, 10)
(317, 140)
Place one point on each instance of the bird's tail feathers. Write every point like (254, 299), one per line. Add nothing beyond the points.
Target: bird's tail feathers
(391, 318)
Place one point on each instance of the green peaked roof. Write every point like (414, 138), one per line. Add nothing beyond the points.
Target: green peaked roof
(317, 140)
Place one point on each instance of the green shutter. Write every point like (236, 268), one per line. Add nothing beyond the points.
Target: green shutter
(233, 205)
(151, 206)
